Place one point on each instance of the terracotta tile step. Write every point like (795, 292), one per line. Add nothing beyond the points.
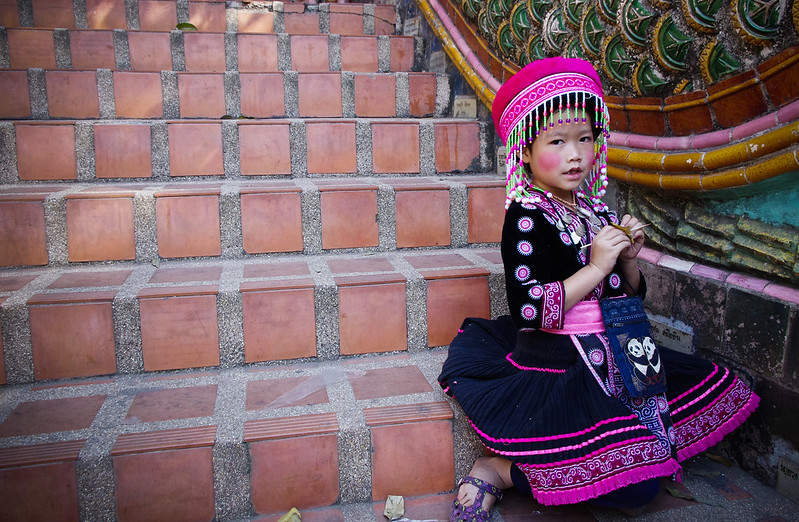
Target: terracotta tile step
(88, 95)
(205, 15)
(231, 444)
(80, 49)
(238, 149)
(57, 225)
(88, 321)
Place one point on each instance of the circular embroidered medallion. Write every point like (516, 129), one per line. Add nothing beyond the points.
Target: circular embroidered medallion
(525, 224)
(614, 280)
(528, 312)
(566, 238)
(525, 248)
(536, 292)
(638, 402)
(597, 357)
(522, 273)
(671, 435)
(663, 405)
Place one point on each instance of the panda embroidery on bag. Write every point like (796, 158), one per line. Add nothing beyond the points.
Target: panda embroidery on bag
(643, 354)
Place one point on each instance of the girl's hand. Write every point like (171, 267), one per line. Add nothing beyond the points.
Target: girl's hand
(606, 247)
(634, 247)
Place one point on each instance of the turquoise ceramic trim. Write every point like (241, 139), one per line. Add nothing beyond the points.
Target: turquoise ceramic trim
(774, 201)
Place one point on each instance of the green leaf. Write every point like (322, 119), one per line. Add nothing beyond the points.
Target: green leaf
(718, 458)
(185, 26)
(679, 493)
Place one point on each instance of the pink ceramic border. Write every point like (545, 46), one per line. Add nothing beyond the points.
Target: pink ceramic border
(785, 293)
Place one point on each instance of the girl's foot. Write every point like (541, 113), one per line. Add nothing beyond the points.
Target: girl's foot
(474, 501)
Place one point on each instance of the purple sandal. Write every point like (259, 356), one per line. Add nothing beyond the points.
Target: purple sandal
(475, 512)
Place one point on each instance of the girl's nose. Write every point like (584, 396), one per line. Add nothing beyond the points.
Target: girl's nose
(574, 153)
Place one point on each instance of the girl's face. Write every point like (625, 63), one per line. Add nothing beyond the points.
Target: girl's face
(561, 158)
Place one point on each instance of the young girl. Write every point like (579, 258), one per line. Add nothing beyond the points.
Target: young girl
(541, 388)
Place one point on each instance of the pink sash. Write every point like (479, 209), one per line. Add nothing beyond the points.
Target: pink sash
(583, 318)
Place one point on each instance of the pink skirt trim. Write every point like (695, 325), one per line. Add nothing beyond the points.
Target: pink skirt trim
(551, 437)
(725, 428)
(639, 473)
(532, 368)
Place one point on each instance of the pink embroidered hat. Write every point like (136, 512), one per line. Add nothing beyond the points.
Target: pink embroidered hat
(545, 93)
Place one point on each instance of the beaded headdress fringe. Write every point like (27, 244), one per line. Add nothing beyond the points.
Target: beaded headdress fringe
(563, 103)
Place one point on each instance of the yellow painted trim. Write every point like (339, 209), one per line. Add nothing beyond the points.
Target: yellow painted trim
(482, 90)
(722, 167)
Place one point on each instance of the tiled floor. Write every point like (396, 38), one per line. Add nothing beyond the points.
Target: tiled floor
(162, 431)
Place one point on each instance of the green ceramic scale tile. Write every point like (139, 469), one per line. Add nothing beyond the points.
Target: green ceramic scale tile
(520, 23)
(670, 45)
(523, 59)
(616, 61)
(642, 45)
(555, 31)
(591, 32)
(471, 8)
(573, 49)
(795, 11)
(484, 26)
(608, 9)
(507, 41)
(757, 21)
(701, 14)
(573, 11)
(538, 9)
(684, 85)
(634, 21)
(716, 62)
(647, 80)
(496, 13)
(535, 48)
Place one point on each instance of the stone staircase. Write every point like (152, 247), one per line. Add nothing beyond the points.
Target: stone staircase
(232, 259)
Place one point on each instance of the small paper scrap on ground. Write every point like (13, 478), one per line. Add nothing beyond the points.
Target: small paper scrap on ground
(395, 507)
(292, 516)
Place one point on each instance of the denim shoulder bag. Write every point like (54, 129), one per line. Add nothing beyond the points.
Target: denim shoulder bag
(634, 350)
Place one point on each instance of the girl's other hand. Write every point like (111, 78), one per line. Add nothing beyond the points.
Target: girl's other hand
(634, 247)
(606, 247)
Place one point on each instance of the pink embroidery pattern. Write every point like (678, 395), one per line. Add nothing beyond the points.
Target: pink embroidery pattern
(718, 419)
(529, 312)
(525, 224)
(552, 312)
